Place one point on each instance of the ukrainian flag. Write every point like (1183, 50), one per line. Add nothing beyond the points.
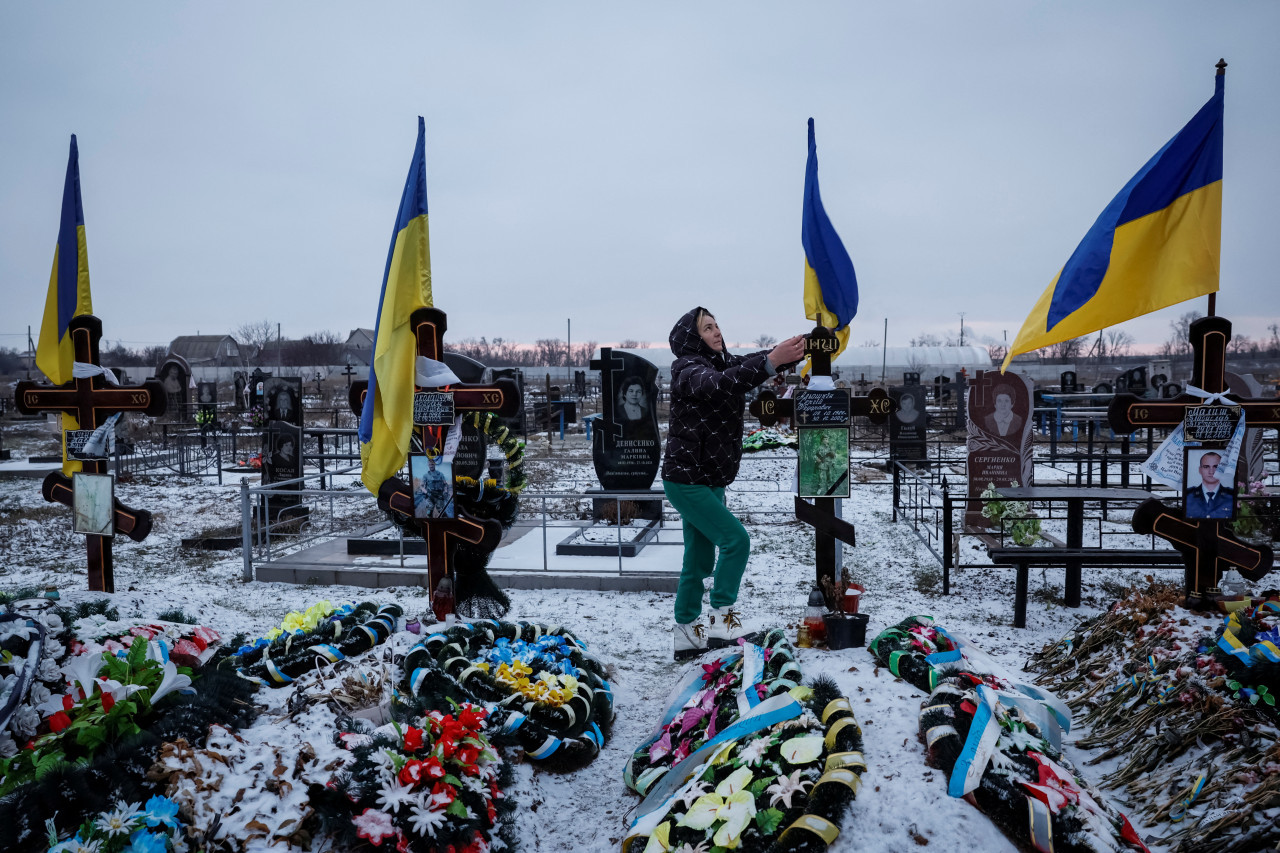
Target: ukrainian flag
(386, 424)
(68, 284)
(1156, 244)
(830, 286)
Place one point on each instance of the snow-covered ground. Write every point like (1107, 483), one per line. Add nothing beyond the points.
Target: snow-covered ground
(902, 803)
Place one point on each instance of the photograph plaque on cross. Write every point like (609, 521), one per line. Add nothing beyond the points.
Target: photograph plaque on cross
(1207, 545)
(395, 496)
(91, 400)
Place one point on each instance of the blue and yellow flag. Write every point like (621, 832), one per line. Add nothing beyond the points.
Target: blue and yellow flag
(68, 284)
(1156, 244)
(830, 286)
(386, 424)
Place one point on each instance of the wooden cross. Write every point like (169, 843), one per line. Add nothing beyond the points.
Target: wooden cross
(91, 400)
(1207, 547)
(819, 345)
(502, 398)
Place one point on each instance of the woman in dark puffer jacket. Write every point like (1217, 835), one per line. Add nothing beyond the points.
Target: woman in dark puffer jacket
(704, 447)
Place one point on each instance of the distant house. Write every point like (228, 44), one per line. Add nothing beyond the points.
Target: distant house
(359, 345)
(206, 350)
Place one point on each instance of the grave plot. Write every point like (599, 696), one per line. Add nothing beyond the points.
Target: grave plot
(1000, 743)
(1182, 705)
(746, 757)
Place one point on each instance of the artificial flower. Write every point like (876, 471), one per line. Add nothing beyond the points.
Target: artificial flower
(82, 671)
(374, 826)
(659, 839)
(143, 841)
(786, 787)
(412, 739)
(734, 782)
(393, 795)
(119, 821)
(803, 749)
(425, 821)
(173, 680)
(160, 811)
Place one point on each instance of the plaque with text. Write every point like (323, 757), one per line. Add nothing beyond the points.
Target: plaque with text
(822, 408)
(433, 408)
(1211, 424)
(76, 440)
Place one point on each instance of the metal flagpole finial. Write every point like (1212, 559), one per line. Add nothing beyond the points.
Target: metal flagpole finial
(1222, 67)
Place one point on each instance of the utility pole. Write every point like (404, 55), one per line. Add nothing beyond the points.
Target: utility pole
(568, 333)
(280, 355)
(961, 328)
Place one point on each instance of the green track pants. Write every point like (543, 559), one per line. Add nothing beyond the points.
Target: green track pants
(708, 525)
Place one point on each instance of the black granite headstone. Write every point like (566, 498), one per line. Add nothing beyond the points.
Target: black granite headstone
(910, 377)
(625, 445)
(175, 376)
(1068, 383)
(257, 383)
(282, 460)
(238, 395)
(907, 423)
(283, 398)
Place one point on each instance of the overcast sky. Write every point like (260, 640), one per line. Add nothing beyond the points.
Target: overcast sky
(613, 164)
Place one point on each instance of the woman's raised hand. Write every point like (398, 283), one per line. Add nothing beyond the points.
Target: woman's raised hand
(788, 352)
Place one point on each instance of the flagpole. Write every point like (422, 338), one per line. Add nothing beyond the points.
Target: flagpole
(1213, 297)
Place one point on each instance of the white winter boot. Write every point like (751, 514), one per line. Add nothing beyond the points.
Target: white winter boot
(689, 640)
(724, 627)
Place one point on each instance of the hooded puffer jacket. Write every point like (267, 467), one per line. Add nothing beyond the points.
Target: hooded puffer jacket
(708, 394)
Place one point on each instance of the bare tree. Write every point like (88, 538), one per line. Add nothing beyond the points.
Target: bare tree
(1274, 329)
(871, 342)
(252, 337)
(926, 339)
(1241, 345)
(584, 351)
(629, 343)
(765, 341)
(1117, 343)
(996, 353)
(1067, 350)
(549, 352)
(1179, 342)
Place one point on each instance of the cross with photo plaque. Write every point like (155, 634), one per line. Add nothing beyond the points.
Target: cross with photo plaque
(434, 412)
(91, 401)
(1208, 548)
(821, 416)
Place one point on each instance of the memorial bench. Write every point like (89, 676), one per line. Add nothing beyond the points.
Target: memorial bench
(1071, 555)
(1023, 559)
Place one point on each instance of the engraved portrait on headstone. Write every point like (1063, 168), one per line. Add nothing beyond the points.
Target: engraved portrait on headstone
(283, 397)
(999, 435)
(174, 375)
(907, 423)
(625, 445)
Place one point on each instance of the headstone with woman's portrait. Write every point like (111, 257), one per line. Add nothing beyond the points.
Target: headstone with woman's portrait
(999, 436)
(907, 423)
(240, 397)
(624, 444)
(281, 461)
(175, 376)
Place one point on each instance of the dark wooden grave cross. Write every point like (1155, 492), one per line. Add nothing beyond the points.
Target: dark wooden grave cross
(1207, 546)
(819, 345)
(502, 398)
(91, 400)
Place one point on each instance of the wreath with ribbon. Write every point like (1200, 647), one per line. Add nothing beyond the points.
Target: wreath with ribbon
(995, 746)
(747, 758)
(917, 651)
(346, 632)
(1000, 743)
(546, 689)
